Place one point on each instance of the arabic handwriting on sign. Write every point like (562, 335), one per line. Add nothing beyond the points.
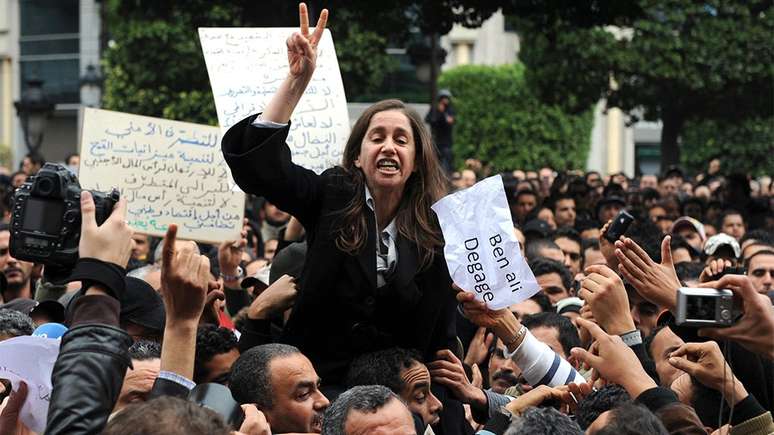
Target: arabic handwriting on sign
(247, 65)
(169, 172)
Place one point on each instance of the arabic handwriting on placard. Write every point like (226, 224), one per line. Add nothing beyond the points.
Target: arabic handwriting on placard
(247, 65)
(169, 172)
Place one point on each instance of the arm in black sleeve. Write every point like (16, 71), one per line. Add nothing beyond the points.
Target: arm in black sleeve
(236, 299)
(261, 164)
(255, 333)
(90, 369)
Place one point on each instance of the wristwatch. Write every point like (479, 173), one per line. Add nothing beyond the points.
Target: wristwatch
(240, 274)
(632, 338)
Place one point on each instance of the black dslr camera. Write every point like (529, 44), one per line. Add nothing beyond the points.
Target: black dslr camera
(46, 217)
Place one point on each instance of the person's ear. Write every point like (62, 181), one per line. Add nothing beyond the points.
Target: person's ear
(357, 163)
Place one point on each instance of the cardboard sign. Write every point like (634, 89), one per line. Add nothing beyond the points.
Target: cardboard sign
(169, 172)
(481, 249)
(247, 66)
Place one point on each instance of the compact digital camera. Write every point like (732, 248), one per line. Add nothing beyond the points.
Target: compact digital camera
(46, 217)
(705, 307)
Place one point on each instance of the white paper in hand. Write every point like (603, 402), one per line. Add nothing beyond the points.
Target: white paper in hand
(481, 250)
(30, 359)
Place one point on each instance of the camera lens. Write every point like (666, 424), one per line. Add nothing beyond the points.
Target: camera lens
(45, 186)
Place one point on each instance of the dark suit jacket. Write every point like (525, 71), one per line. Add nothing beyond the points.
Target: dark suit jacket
(339, 313)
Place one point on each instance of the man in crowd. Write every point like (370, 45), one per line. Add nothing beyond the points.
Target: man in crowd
(554, 279)
(216, 351)
(18, 273)
(570, 243)
(564, 211)
(282, 384)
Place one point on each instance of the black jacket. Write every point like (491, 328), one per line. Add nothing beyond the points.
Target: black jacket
(90, 369)
(339, 313)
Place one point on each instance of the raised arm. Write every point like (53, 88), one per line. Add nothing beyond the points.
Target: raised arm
(302, 59)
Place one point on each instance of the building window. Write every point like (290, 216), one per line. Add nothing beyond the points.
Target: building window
(49, 47)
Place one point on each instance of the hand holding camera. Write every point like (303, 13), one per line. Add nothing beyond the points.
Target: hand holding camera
(46, 220)
(755, 327)
(110, 242)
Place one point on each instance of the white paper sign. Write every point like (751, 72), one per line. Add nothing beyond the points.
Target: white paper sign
(169, 172)
(30, 359)
(481, 250)
(247, 66)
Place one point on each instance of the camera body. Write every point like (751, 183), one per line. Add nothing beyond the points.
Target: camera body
(705, 307)
(619, 226)
(46, 217)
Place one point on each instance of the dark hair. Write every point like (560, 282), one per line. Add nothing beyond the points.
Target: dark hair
(688, 270)
(692, 200)
(568, 334)
(414, 219)
(632, 419)
(761, 252)
(729, 212)
(250, 380)
(541, 299)
(599, 401)
(363, 398)
(167, 415)
(648, 341)
(559, 197)
(382, 368)
(143, 350)
(536, 245)
(211, 340)
(646, 234)
(526, 192)
(543, 421)
(15, 323)
(69, 157)
(568, 233)
(760, 235)
(582, 225)
(544, 266)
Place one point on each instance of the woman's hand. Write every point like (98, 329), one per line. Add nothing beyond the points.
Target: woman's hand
(302, 46)
(302, 59)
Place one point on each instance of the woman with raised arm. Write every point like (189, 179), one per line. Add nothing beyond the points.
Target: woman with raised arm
(374, 276)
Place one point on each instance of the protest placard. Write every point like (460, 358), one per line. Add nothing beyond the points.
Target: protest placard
(481, 249)
(30, 359)
(247, 66)
(168, 171)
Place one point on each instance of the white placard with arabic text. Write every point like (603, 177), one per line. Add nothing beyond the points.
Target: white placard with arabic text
(169, 172)
(247, 66)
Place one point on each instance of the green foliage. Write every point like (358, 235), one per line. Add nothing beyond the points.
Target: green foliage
(500, 120)
(743, 147)
(669, 60)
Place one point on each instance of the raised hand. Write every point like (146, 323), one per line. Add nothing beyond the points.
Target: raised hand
(604, 292)
(110, 242)
(302, 46)
(254, 423)
(277, 298)
(713, 268)
(755, 329)
(658, 283)
(229, 257)
(607, 248)
(705, 362)
(613, 360)
(185, 279)
(478, 349)
(447, 370)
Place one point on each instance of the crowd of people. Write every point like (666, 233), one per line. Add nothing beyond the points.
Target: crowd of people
(335, 313)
